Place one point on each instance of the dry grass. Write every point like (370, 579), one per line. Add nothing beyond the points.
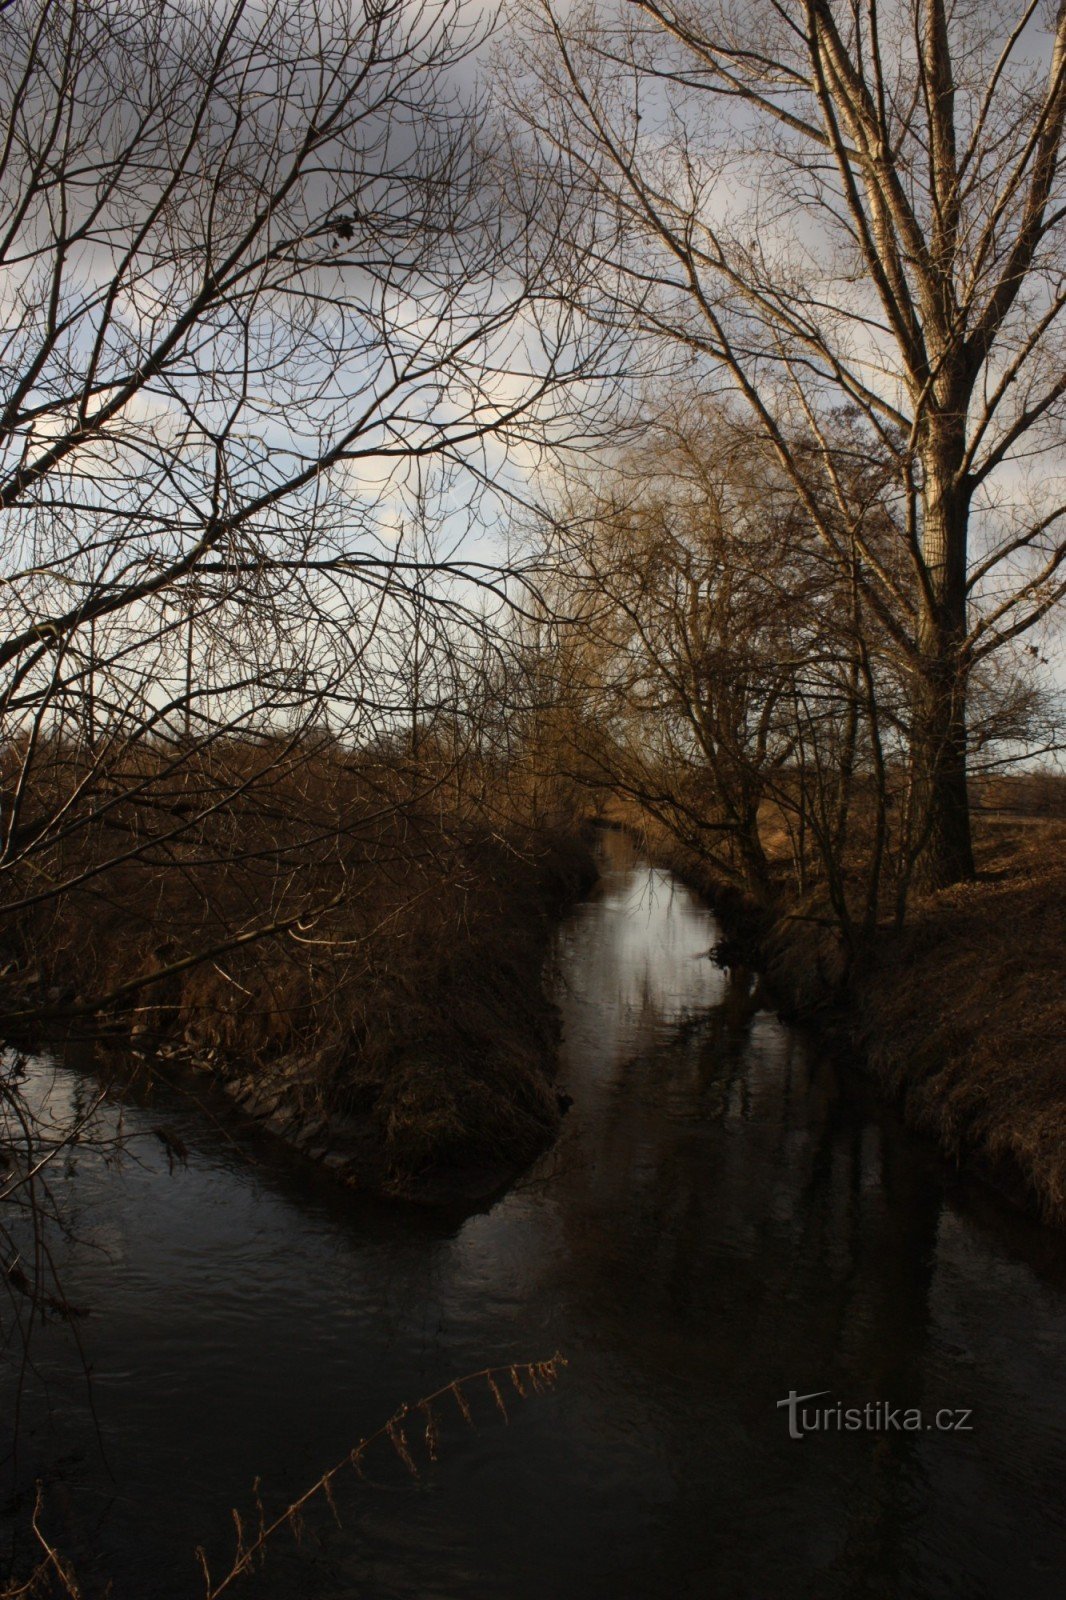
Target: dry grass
(963, 1015)
(393, 1022)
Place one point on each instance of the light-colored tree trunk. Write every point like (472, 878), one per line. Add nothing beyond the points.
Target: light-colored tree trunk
(944, 849)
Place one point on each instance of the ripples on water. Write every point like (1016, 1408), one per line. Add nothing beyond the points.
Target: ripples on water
(726, 1217)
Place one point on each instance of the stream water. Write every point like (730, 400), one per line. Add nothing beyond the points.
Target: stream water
(727, 1218)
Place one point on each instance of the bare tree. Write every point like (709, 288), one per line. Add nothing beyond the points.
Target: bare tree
(716, 663)
(260, 296)
(850, 211)
(672, 567)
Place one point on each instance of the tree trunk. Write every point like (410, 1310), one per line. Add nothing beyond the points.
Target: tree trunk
(755, 867)
(941, 811)
(941, 802)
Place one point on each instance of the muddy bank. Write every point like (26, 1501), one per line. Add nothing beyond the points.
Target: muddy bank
(963, 1018)
(447, 1092)
(407, 1042)
(960, 1016)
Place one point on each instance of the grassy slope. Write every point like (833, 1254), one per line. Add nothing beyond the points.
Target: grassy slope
(434, 1081)
(403, 1035)
(963, 1016)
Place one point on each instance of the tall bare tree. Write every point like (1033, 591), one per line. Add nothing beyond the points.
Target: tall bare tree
(258, 290)
(719, 667)
(852, 211)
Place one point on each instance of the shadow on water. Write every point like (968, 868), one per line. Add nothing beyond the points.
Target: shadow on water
(727, 1217)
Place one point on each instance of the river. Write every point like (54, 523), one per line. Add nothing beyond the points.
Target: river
(727, 1218)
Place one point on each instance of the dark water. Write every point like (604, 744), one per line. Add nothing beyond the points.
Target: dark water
(726, 1218)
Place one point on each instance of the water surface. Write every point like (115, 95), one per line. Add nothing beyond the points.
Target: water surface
(727, 1217)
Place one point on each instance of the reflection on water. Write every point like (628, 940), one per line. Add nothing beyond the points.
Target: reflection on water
(727, 1217)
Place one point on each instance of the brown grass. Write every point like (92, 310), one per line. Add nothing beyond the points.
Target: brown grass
(963, 1015)
(398, 1029)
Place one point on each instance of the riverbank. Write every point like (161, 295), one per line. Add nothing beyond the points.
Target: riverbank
(960, 1016)
(419, 1065)
(440, 1088)
(354, 953)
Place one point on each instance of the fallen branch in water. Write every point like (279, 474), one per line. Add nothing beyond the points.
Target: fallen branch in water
(537, 1375)
(51, 1567)
(522, 1377)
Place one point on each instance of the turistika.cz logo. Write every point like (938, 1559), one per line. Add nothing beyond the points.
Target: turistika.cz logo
(876, 1416)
